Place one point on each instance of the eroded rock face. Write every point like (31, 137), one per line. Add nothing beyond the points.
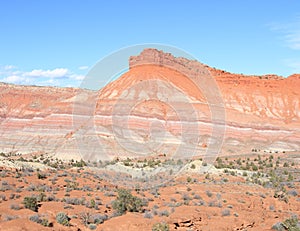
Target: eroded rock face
(158, 93)
(268, 98)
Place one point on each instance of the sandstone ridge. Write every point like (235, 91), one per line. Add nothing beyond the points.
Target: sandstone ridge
(261, 111)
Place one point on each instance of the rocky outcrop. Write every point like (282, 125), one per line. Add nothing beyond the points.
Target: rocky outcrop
(267, 98)
(262, 112)
(159, 93)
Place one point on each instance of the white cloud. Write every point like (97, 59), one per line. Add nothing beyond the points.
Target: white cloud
(13, 79)
(77, 77)
(55, 73)
(290, 33)
(83, 67)
(9, 67)
(293, 64)
(293, 39)
(54, 77)
(16, 80)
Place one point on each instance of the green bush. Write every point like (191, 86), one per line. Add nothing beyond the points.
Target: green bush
(290, 224)
(42, 221)
(41, 176)
(92, 226)
(46, 223)
(189, 179)
(79, 164)
(63, 219)
(31, 203)
(160, 227)
(127, 202)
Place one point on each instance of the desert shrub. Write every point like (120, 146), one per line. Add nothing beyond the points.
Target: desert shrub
(32, 187)
(226, 212)
(92, 226)
(15, 207)
(98, 218)
(5, 186)
(88, 219)
(41, 197)
(215, 203)
(290, 177)
(281, 196)
(79, 164)
(155, 206)
(163, 213)
(51, 197)
(91, 204)
(148, 215)
(68, 207)
(72, 201)
(85, 218)
(2, 197)
(109, 194)
(43, 221)
(197, 197)
(10, 217)
(278, 226)
(4, 183)
(18, 189)
(35, 218)
(46, 223)
(63, 219)
(262, 195)
(186, 197)
(127, 202)
(45, 188)
(87, 188)
(154, 192)
(290, 224)
(160, 227)
(293, 193)
(254, 168)
(41, 176)
(31, 203)
(209, 193)
(201, 202)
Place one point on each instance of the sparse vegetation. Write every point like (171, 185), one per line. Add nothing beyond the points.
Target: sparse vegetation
(160, 227)
(226, 212)
(40, 220)
(63, 219)
(82, 188)
(127, 202)
(290, 224)
(31, 203)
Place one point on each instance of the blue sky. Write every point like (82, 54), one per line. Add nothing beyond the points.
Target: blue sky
(57, 42)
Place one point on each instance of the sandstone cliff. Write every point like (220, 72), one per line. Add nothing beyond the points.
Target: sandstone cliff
(159, 93)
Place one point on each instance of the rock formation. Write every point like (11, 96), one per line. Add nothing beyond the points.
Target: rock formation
(163, 104)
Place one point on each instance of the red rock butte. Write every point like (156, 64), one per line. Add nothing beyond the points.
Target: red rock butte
(262, 112)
